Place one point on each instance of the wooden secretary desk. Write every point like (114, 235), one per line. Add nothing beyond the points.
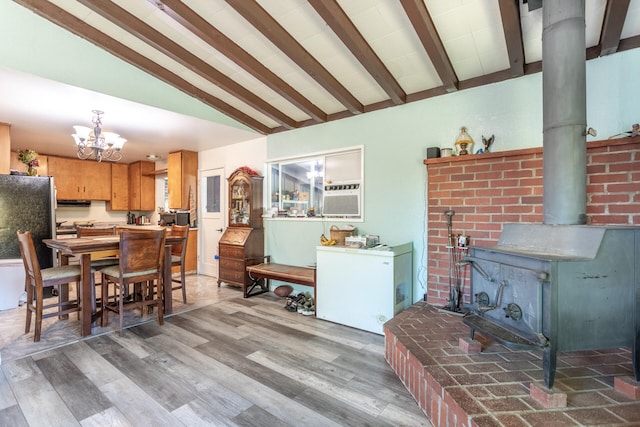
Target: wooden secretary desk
(242, 243)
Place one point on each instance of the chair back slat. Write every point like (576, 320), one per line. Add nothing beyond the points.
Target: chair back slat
(141, 250)
(95, 231)
(30, 259)
(179, 249)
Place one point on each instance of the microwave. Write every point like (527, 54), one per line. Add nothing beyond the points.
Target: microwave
(168, 218)
(178, 218)
(183, 218)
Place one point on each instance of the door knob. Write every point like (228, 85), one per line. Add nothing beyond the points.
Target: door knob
(219, 229)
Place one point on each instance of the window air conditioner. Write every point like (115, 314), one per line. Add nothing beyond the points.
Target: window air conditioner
(341, 199)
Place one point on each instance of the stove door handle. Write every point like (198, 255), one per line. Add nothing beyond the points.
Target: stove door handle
(476, 266)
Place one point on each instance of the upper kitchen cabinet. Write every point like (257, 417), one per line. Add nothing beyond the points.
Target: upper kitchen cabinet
(80, 179)
(119, 187)
(142, 190)
(182, 172)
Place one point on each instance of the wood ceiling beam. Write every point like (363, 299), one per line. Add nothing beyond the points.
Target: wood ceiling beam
(342, 26)
(164, 44)
(425, 29)
(510, 15)
(614, 18)
(81, 29)
(276, 34)
(199, 26)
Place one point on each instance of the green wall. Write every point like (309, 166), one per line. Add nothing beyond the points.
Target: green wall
(395, 141)
(36, 46)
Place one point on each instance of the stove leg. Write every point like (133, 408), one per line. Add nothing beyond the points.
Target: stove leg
(549, 365)
(635, 353)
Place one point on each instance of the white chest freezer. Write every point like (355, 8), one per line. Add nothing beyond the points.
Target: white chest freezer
(363, 288)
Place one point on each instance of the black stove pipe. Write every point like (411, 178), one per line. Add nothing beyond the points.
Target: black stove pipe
(564, 114)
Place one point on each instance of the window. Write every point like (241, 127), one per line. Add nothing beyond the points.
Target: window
(329, 184)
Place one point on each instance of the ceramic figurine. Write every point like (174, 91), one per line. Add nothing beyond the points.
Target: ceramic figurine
(463, 142)
(487, 142)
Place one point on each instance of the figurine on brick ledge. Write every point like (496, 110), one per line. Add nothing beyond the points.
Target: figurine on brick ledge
(464, 142)
(635, 131)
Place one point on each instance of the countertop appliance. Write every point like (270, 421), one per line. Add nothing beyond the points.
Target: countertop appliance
(183, 218)
(27, 203)
(363, 288)
(167, 218)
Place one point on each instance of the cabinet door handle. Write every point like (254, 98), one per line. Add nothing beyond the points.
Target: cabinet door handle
(219, 229)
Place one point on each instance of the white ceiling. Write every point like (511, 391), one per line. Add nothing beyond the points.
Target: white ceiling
(42, 112)
(300, 46)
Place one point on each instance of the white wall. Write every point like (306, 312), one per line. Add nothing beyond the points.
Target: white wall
(96, 212)
(250, 153)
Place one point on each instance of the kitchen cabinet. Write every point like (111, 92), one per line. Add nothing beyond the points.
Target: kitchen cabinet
(182, 176)
(80, 179)
(242, 243)
(142, 187)
(363, 288)
(119, 187)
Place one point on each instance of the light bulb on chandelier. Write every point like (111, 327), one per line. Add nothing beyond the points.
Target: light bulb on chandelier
(96, 143)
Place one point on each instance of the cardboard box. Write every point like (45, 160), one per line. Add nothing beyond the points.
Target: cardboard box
(366, 241)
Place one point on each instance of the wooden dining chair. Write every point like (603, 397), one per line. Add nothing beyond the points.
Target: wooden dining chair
(141, 261)
(178, 254)
(37, 279)
(99, 262)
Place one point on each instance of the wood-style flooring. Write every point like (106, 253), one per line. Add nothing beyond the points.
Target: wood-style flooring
(229, 362)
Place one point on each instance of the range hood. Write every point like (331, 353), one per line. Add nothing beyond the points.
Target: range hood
(73, 202)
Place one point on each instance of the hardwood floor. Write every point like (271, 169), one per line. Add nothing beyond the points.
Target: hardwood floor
(230, 362)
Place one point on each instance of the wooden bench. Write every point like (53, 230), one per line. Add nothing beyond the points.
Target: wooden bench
(260, 274)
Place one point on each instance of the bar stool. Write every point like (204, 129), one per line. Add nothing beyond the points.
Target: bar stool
(37, 279)
(94, 232)
(178, 254)
(98, 262)
(141, 260)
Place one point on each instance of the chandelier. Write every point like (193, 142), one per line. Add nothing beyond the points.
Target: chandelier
(96, 143)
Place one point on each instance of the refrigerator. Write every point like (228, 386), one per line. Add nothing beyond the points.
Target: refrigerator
(363, 288)
(27, 203)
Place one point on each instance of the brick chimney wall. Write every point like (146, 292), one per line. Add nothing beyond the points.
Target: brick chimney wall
(491, 189)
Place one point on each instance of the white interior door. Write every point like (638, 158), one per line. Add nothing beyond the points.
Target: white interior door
(212, 218)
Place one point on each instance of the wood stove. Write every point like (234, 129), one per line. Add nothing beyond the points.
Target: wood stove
(558, 288)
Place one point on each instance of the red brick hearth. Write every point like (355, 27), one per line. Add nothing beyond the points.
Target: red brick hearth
(457, 389)
(429, 348)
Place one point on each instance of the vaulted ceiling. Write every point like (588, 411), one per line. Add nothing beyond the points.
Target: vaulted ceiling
(275, 65)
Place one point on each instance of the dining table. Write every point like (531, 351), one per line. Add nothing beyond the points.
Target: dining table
(99, 246)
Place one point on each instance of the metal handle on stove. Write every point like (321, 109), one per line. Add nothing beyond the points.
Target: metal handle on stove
(476, 266)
